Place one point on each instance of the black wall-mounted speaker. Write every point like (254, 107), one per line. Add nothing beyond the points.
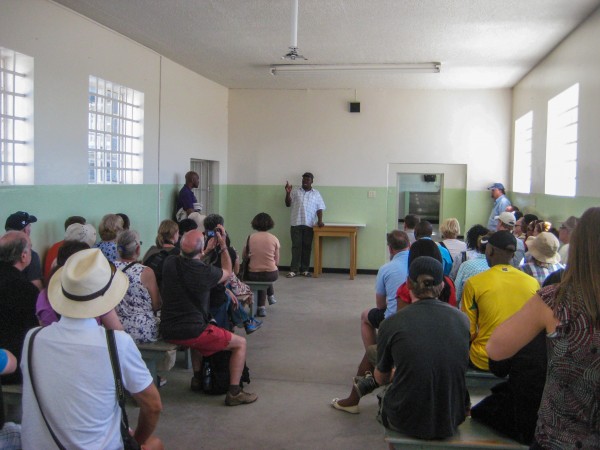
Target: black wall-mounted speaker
(354, 107)
(429, 178)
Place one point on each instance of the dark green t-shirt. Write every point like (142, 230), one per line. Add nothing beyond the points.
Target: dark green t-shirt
(428, 344)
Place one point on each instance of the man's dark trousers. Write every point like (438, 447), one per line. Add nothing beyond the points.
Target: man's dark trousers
(302, 239)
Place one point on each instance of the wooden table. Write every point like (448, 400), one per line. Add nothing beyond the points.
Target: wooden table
(335, 230)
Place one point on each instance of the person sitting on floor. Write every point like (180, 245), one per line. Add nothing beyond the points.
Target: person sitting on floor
(426, 347)
(69, 365)
(185, 316)
(423, 247)
(389, 278)
(137, 311)
(491, 297)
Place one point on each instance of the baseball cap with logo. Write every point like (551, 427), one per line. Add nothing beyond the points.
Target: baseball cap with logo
(496, 186)
(19, 220)
(504, 240)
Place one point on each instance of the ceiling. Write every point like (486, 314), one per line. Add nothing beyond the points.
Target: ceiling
(481, 44)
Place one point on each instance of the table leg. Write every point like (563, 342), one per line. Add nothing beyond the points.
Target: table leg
(317, 256)
(352, 255)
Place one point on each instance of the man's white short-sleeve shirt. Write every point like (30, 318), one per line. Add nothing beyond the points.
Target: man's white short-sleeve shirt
(75, 384)
(305, 205)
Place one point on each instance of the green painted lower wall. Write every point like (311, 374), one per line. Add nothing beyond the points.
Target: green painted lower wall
(147, 205)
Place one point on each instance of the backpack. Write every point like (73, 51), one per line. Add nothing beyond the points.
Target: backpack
(215, 373)
(156, 262)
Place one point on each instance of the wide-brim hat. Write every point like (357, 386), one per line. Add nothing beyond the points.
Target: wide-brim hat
(87, 286)
(544, 248)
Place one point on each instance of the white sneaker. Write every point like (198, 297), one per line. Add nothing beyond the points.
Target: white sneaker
(271, 299)
(291, 275)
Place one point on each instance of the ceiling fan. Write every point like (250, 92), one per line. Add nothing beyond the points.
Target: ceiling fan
(293, 55)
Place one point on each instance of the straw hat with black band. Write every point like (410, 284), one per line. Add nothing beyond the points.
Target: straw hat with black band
(87, 286)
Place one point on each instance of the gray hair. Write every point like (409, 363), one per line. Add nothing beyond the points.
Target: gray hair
(127, 243)
(12, 245)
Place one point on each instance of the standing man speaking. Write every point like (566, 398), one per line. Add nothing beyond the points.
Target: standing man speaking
(307, 209)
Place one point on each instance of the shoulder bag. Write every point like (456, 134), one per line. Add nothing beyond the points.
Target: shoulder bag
(245, 265)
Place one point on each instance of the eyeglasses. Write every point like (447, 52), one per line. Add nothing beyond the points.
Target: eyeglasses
(140, 243)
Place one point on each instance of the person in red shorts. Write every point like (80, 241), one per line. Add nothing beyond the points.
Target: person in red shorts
(185, 316)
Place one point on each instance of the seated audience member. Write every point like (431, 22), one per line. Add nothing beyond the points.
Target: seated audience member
(126, 221)
(564, 236)
(85, 233)
(185, 315)
(110, 226)
(491, 297)
(450, 229)
(424, 230)
(543, 257)
(390, 277)
(507, 221)
(264, 258)
(165, 245)
(426, 247)
(17, 296)
(53, 250)
(471, 267)
(187, 225)
(472, 241)
(137, 311)
(423, 247)
(410, 222)
(10, 432)
(427, 346)
(569, 314)
(43, 309)
(198, 218)
(21, 221)
(69, 364)
(536, 227)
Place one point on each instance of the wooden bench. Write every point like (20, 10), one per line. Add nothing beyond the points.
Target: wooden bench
(154, 353)
(256, 286)
(12, 395)
(471, 434)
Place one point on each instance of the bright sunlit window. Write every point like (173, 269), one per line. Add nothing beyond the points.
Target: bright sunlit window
(115, 133)
(522, 154)
(16, 118)
(561, 143)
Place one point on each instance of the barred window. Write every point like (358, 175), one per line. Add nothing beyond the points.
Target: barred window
(16, 118)
(561, 143)
(115, 133)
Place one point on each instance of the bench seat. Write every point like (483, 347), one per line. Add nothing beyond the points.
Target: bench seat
(153, 353)
(256, 286)
(471, 435)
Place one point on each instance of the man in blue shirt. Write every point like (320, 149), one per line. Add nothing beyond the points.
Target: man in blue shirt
(501, 202)
(389, 278)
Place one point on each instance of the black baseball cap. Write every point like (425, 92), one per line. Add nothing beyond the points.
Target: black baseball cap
(308, 175)
(426, 265)
(504, 240)
(19, 220)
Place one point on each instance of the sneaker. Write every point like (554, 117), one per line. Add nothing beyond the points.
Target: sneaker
(272, 300)
(262, 311)
(291, 275)
(161, 381)
(240, 399)
(364, 385)
(252, 325)
(195, 385)
(307, 274)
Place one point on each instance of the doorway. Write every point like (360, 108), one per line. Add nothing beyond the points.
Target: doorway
(204, 192)
(420, 194)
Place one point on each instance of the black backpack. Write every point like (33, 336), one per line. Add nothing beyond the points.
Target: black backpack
(156, 262)
(215, 373)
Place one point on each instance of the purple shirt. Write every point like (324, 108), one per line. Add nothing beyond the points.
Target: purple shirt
(186, 198)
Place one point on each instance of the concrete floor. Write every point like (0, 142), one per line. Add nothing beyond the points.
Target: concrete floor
(304, 355)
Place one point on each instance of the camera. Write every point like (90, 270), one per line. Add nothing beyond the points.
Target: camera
(213, 233)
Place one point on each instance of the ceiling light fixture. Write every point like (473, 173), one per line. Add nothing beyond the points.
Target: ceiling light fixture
(284, 69)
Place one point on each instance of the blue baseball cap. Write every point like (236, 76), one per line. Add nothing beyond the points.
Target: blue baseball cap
(496, 186)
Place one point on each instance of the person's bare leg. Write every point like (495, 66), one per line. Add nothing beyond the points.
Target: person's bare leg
(237, 346)
(367, 331)
(353, 399)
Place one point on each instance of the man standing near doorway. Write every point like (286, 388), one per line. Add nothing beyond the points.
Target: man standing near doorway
(307, 209)
(501, 202)
(186, 197)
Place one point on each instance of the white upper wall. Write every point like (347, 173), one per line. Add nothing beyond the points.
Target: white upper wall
(187, 112)
(575, 60)
(275, 135)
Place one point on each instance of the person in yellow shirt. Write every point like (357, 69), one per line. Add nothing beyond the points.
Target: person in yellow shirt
(491, 297)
